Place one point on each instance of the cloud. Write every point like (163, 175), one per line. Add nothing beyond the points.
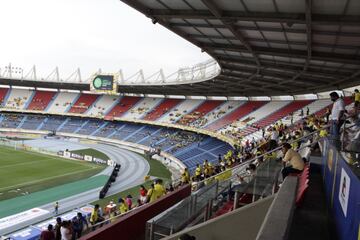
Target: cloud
(89, 34)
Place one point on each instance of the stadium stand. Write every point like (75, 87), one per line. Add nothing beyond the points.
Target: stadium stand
(198, 113)
(255, 116)
(184, 145)
(218, 113)
(292, 107)
(63, 102)
(179, 111)
(18, 98)
(142, 108)
(122, 106)
(102, 105)
(164, 107)
(3, 93)
(238, 113)
(83, 103)
(41, 100)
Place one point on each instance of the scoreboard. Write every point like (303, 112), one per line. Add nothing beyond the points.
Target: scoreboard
(104, 83)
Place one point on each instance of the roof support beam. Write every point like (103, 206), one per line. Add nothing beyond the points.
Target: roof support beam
(218, 14)
(254, 16)
(279, 74)
(285, 71)
(266, 29)
(308, 4)
(288, 66)
(329, 57)
(298, 43)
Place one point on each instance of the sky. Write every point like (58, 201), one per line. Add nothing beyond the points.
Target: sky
(90, 34)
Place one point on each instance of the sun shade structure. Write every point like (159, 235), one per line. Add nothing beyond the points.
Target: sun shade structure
(264, 47)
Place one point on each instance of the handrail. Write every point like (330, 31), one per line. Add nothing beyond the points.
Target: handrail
(344, 128)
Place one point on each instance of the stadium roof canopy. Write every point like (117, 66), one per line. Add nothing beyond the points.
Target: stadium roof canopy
(264, 47)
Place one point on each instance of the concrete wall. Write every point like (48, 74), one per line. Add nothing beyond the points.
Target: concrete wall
(132, 226)
(243, 223)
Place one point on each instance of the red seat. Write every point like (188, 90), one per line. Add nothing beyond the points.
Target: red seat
(228, 207)
(303, 184)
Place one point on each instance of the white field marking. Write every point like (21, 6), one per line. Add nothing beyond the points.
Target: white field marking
(18, 164)
(45, 179)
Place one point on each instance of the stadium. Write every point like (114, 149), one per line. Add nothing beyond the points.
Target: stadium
(260, 141)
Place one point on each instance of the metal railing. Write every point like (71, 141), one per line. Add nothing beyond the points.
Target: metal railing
(350, 143)
(262, 183)
(195, 208)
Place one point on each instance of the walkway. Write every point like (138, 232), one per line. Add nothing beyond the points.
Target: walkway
(312, 221)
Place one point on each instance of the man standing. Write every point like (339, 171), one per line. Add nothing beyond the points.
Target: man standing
(56, 208)
(337, 114)
(57, 228)
(95, 216)
(78, 225)
(357, 97)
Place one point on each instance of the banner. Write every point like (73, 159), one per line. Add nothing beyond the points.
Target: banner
(67, 154)
(86, 210)
(344, 188)
(88, 158)
(224, 176)
(21, 217)
(100, 161)
(77, 156)
(45, 224)
(69, 215)
(29, 233)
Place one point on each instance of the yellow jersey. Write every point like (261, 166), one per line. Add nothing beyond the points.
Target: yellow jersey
(323, 133)
(198, 171)
(123, 208)
(159, 190)
(357, 97)
(94, 216)
(151, 194)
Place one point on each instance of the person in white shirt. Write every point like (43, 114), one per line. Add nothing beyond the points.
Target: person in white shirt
(337, 113)
(274, 134)
(65, 230)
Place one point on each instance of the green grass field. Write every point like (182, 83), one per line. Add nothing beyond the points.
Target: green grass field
(24, 172)
(92, 152)
(157, 169)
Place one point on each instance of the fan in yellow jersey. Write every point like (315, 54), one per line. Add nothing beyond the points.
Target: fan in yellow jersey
(198, 172)
(185, 176)
(95, 217)
(123, 208)
(206, 169)
(159, 189)
(151, 196)
(357, 97)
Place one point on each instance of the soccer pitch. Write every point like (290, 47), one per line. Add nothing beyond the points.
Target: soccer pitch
(23, 172)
